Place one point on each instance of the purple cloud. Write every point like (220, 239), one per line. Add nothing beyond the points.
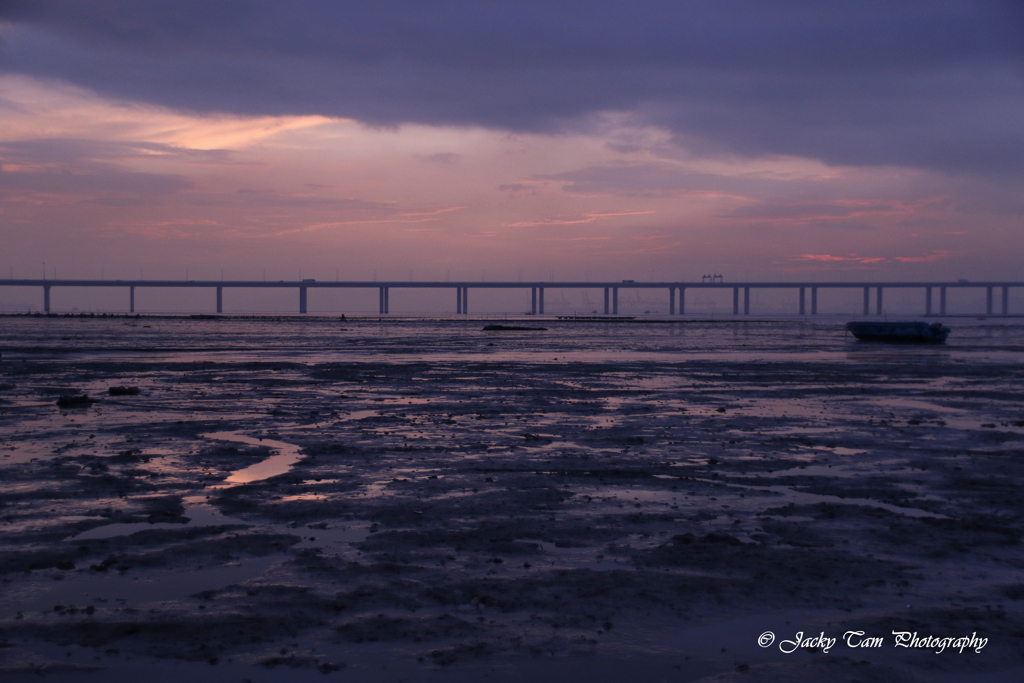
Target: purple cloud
(926, 83)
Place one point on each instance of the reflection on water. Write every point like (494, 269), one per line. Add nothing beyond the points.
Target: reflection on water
(269, 340)
(197, 511)
(279, 463)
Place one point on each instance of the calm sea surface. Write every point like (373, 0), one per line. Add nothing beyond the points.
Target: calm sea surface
(329, 339)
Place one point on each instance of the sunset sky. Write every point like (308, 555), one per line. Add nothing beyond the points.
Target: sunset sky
(506, 139)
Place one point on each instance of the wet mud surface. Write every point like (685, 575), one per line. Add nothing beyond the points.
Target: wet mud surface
(433, 502)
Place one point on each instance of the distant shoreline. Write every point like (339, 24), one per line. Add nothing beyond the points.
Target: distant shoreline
(547, 319)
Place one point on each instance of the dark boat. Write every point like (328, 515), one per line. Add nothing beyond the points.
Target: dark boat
(899, 332)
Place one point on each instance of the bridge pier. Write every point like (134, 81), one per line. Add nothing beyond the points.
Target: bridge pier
(996, 303)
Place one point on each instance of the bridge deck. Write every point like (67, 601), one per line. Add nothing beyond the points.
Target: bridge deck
(611, 290)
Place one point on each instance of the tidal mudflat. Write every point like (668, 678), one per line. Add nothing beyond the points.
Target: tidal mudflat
(424, 500)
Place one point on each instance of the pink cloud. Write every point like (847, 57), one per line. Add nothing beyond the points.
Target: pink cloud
(830, 257)
(435, 212)
(585, 218)
(937, 255)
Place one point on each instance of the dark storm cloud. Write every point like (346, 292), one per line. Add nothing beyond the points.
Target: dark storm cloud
(930, 83)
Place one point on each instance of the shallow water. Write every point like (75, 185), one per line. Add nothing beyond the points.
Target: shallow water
(324, 339)
(458, 501)
(284, 458)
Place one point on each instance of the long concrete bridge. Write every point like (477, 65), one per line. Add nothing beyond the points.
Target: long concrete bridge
(873, 292)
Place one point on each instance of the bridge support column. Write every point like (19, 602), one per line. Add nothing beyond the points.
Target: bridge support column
(1006, 300)
(746, 301)
(988, 301)
(814, 301)
(46, 298)
(942, 300)
(802, 299)
(735, 300)
(682, 300)
(465, 301)
(878, 301)
(458, 301)
(927, 300)
(131, 299)
(302, 299)
(606, 300)
(533, 301)
(867, 300)
(384, 304)
(671, 300)
(615, 300)
(540, 301)
(220, 300)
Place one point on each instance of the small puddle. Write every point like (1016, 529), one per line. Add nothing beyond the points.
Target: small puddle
(18, 453)
(359, 415)
(197, 512)
(114, 530)
(843, 450)
(917, 404)
(803, 497)
(562, 557)
(279, 463)
(161, 585)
